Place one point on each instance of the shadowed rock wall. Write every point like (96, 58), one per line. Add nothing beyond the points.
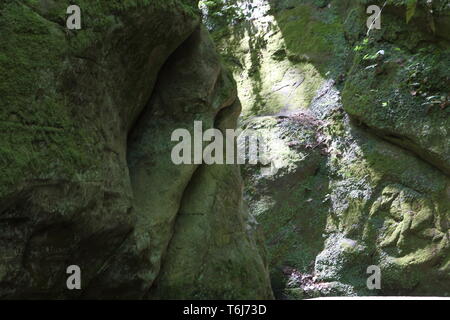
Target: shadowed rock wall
(86, 118)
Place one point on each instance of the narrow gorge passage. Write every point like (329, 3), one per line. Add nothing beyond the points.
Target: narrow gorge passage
(114, 122)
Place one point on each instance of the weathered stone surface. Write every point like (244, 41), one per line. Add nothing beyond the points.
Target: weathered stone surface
(356, 125)
(363, 176)
(76, 149)
(279, 60)
(195, 209)
(406, 86)
(213, 253)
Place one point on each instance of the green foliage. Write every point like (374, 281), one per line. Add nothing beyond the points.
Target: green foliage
(221, 13)
(434, 7)
(410, 9)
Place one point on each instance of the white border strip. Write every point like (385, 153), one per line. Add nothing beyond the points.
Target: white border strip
(381, 298)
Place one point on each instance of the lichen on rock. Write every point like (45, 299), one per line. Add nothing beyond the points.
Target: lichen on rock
(363, 177)
(84, 123)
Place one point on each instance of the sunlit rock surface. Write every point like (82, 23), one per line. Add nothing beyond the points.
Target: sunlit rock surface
(362, 149)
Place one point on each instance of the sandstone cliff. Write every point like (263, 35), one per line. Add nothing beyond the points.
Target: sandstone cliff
(86, 177)
(357, 124)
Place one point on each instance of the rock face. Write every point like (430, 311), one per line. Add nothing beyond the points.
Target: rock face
(86, 175)
(358, 127)
(196, 209)
(356, 124)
